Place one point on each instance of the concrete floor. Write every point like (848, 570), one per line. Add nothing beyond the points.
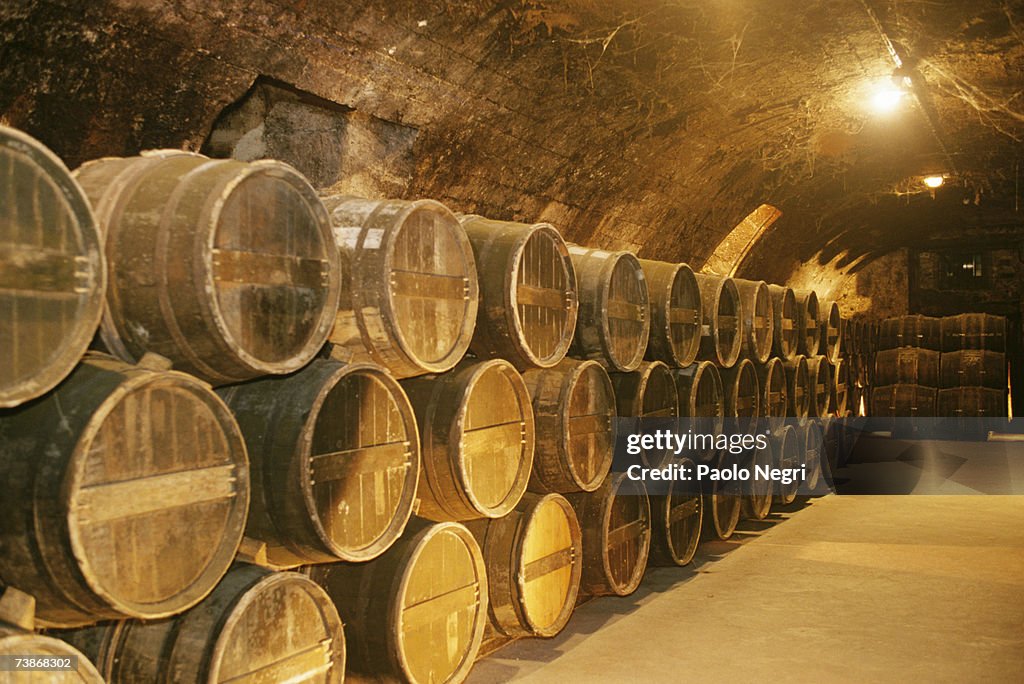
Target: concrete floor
(850, 588)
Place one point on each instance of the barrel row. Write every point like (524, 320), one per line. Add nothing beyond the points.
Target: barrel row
(944, 334)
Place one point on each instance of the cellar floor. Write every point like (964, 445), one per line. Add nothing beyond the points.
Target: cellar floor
(850, 588)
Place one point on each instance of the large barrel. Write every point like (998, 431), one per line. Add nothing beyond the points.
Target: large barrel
(676, 518)
(973, 367)
(721, 337)
(973, 331)
(334, 461)
(788, 446)
(756, 502)
(573, 408)
(227, 268)
(831, 324)
(412, 296)
(809, 338)
(786, 318)
(819, 375)
(256, 626)
(839, 401)
(774, 400)
(534, 563)
(722, 503)
(701, 396)
(758, 321)
(903, 401)
(416, 613)
(742, 397)
(615, 313)
(907, 331)
(974, 409)
(648, 392)
(137, 499)
(798, 387)
(676, 313)
(477, 440)
(616, 522)
(52, 271)
(909, 365)
(528, 302)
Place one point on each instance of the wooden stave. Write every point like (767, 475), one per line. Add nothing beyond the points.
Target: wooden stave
(807, 319)
(771, 378)
(973, 331)
(742, 387)
(785, 328)
(787, 453)
(663, 551)
(973, 367)
(798, 387)
(831, 324)
(907, 365)
(631, 394)
(662, 278)
(819, 374)
(712, 346)
(754, 296)
(905, 331)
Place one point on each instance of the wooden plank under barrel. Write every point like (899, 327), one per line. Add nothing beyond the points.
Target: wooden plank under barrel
(721, 337)
(676, 313)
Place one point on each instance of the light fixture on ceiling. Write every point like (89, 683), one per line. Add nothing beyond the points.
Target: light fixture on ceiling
(887, 99)
(934, 181)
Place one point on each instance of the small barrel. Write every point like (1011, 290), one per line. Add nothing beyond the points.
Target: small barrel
(788, 445)
(742, 397)
(973, 331)
(907, 331)
(616, 522)
(676, 313)
(809, 338)
(528, 301)
(676, 517)
(138, 497)
(534, 564)
(477, 439)
(701, 396)
(831, 323)
(53, 274)
(615, 313)
(903, 401)
(839, 401)
(256, 626)
(786, 328)
(721, 337)
(819, 375)
(722, 503)
(798, 387)
(774, 399)
(973, 368)
(226, 268)
(412, 296)
(648, 392)
(416, 613)
(334, 460)
(756, 502)
(758, 322)
(908, 365)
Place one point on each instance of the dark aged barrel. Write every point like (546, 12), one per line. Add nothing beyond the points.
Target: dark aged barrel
(786, 322)
(676, 518)
(774, 396)
(973, 367)
(987, 407)
(819, 376)
(798, 387)
(527, 292)
(573, 408)
(742, 396)
(615, 313)
(756, 502)
(788, 446)
(908, 331)
(722, 502)
(138, 495)
(903, 401)
(477, 440)
(227, 268)
(534, 559)
(52, 271)
(334, 460)
(839, 400)
(648, 392)
(831, 324)
(676, 313)
(909, 365)
(758, 322)
(256, 626)
(809, 339)
(413, 294)
(973, 331)
(616, 522)
(417, 613)
(701, 396)
(847, 345)
(721, 336)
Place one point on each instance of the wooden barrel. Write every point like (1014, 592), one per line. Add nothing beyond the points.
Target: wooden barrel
(756, 501)
(477, 439)
(256, 626)
(721, 336)
(742, 397)
(788, 446)
(973, 331)
(676, 313)
(819, 376)
(676, 518)
(903, 401)
(973, 367)
(907, 331)
(722, 503)
(412, 297)
(813, 436)
(847, 343)
(528, 302)
(616, 522)
(839, 401)
(976, 408)
(534, 563)
(53, 273)
(334, 461)
(798, 387)
(615, 314)
(227, 268)
(648, 392)
(786, 322)
(15, 643)
(909, 365)
(758, 321)
(138, 497)
(774, 398)
(701, 396)
(809, 337)
(573, 408)
(831, 323)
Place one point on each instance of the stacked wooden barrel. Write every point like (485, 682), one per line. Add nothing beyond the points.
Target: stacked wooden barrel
(906, 370)
(973, 374)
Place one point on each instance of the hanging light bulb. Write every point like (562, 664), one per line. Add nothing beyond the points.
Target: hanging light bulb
(933, 182)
